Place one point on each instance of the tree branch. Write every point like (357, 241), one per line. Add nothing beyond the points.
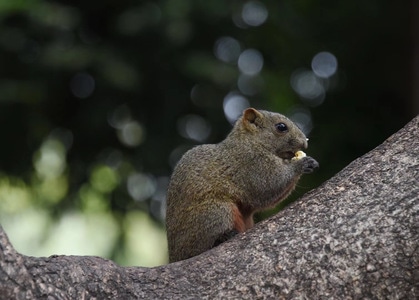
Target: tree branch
(356, 236)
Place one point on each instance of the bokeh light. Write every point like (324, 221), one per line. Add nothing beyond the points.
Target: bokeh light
(324, 64)
(52, 190)
(145, 242)
(250, 62)
(194, 127)
(92, 200)
(132, 134)
(233, 105)
(22, 232)
(15, 195)
(141, 186)
(308, 86)
(50, 160)
(104, 178)
(254, 13)
(91, 233)
(302, 117)
(227, 49)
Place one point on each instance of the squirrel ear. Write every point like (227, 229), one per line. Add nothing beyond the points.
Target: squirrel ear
(249, 118)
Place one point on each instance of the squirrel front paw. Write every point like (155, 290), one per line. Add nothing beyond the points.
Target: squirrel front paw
(309, 164)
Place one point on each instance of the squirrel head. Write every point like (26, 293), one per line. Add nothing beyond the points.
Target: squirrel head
(272, 131)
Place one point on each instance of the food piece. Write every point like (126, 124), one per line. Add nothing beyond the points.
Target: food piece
(299, 155)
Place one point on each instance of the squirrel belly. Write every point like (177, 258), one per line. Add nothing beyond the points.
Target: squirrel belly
(215, 189)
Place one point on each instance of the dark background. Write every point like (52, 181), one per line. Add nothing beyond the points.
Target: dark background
(98, 100)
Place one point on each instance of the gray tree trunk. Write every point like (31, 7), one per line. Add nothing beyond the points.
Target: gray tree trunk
(356, 236)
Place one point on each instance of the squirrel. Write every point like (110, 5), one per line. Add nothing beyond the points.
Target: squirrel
(216, 188)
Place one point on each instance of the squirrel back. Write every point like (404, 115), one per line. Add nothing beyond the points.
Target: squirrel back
(215, 189)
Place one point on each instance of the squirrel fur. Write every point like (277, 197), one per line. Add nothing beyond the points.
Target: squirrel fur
(215, 189)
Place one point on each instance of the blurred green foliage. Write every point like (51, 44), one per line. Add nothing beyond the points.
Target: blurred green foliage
(99, 99)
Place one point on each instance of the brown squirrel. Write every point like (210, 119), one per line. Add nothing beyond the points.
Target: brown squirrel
(215, 189)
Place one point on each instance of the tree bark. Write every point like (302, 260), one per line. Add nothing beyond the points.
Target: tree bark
(356, 236)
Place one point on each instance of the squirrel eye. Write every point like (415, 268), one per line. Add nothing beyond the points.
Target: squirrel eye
(281, 127)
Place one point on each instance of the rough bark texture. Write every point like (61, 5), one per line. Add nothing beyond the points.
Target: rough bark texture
(356, 236)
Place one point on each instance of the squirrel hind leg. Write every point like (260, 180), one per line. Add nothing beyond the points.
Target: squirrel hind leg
(240, 224)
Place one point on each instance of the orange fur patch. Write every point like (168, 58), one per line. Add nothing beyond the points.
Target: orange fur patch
(238, 221)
